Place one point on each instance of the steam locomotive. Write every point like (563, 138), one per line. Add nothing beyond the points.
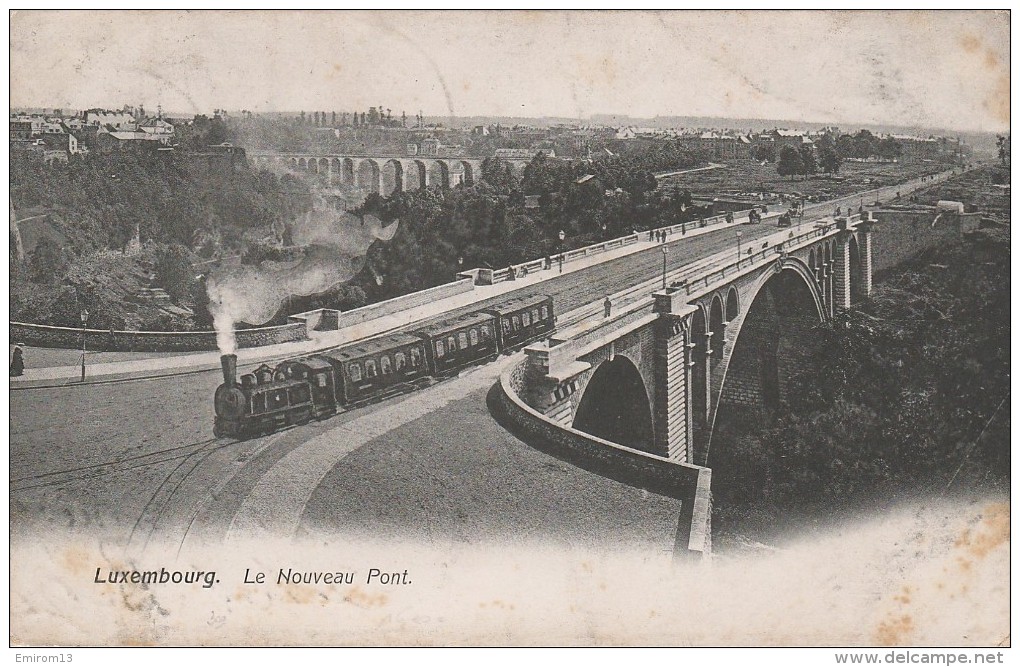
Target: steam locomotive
(320, 385)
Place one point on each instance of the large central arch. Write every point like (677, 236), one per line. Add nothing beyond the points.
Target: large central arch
(615, 405)
(775, 339)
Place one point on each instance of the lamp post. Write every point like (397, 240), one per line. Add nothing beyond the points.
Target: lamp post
(739, 234)
(665, 251)
(84, 321)
(563, 236)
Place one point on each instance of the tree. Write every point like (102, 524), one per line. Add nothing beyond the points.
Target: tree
(765, 152)
(46, 262)
(173, 270)
(829, 160)
(889, 149)
(789, 162)
(808, 165)
(1002, 143)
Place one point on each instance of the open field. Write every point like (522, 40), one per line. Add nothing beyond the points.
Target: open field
(750, 176)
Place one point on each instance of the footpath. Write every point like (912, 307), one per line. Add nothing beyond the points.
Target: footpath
(112, 367)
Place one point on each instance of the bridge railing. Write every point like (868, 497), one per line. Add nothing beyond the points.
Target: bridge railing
(748, 260)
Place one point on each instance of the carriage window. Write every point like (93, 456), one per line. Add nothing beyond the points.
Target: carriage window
(506, 326)
(415, 357)
(534, 315)
(545, 312)
(384, 364)
(277, 399)
(400, 361)
(474, 337)
(451, 344)
(320, 380)
(485, 332)
(355, 371)
(258, 403)
(463, 340)
(517, 323)
(280, 376)
(525, 318)
(439, 348)
(299, 394)
(370, 371)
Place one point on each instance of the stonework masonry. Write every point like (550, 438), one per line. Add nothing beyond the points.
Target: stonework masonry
(37, 335)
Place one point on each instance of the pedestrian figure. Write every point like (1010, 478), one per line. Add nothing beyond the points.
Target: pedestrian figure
(608, 306)
(683, 229)
(838, 212)
(650, 233)
(17, 362)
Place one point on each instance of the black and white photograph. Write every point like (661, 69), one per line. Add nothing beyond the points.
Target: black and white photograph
(510, 328)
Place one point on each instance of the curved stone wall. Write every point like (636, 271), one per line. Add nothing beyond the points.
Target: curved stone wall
(37, 335)
(686, 482)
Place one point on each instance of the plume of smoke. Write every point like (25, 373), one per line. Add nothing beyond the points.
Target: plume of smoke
(332, 247)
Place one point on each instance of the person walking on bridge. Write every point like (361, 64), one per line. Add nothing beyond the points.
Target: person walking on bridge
(608, 305)
(18, 361)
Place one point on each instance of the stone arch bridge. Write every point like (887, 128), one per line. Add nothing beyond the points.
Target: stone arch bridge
(385, 175)
(663, 375)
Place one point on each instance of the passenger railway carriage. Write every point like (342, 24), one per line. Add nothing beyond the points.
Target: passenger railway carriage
(466, 340)
(523, 320)
(374, 367)
(319, 385)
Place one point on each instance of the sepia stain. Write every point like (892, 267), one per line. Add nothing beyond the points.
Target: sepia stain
(970, 43)
(359, 598)
(299, 595)
(991, 531)
(895, 631)
(997, 103)
(76, 560)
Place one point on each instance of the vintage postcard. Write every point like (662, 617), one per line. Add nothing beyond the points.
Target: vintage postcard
(510, 328)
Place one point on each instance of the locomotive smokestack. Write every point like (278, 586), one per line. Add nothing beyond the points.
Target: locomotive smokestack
(229, 363)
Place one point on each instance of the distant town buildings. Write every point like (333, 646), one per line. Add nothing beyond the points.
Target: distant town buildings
(58, 136)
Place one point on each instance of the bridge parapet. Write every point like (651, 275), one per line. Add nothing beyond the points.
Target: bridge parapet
(688, 483)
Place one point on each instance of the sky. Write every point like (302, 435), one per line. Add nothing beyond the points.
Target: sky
(919, 68)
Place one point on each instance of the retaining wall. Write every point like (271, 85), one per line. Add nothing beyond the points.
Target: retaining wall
(902, 235)
(401, 303)
(685, 482)
(37, 335)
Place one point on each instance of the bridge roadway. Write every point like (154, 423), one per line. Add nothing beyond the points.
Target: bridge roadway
(134, 463)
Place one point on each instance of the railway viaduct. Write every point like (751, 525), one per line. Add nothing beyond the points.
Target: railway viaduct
(382, 174)
(654, 382)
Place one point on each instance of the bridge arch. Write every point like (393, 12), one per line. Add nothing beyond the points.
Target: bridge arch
(416, 177)
(856, 271)
(718, 328)
(769, 341)
(302, 164)
(732, 304)
(336, 171)
(439, 174)
(393, 177)
(469, 172)
(369, 175)
(347, 172)
(615, 405)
